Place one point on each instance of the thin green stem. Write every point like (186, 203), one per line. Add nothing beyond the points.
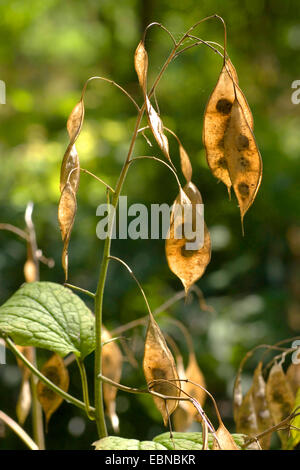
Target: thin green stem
(85, 390)
(51, 385)
(19, 431)
(97, 178)
(79, 289)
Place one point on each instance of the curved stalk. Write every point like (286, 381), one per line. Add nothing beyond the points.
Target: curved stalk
(85, 389)
(19, 431)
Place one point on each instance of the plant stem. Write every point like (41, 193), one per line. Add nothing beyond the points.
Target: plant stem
(85, 390)
(51, 385)
(19, 431)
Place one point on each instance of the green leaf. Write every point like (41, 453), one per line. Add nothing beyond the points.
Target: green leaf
(295, 434)
(50, 316)
(120, 443)
(182, 441)
(190, 440)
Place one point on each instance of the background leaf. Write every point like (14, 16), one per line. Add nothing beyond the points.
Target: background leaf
(50, 316)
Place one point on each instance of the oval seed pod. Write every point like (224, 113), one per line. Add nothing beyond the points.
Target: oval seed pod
(246, 422)
(263, 416)
(243, 158)
(112, 361)
(157, 128)
(225, 440)
(216, 119)
(280, 398)
(141, 65)
(24, 402)
(54, 370)
(194, 373)
(69, 181)
(158, 364)
(66, 215)
(186, 166)
(188, 265)
(293, 377)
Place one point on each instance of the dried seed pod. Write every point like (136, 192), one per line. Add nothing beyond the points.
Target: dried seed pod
(237, 396)
(182, 419)
(280, 398)
(66, 215)
(28, 352)
(69, 181)
(186, 165)
(293, 377)
(246, 422)
(30, 271)
(243, 158)
(194, 373)
(54, 370)
(141, 65)
(157, 129)
(225, 440)
(158, 364)
(24, 402)
(189, 265)
(263, 416)
(216, 120)
(112, 360)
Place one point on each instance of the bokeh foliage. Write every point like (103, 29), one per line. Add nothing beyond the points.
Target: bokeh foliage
(47, 51)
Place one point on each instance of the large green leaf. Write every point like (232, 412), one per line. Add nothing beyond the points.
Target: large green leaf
(50, 316)
(181, 441)
(190, 440)
(120, 443)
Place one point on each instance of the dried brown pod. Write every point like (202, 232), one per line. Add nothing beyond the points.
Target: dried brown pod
(158, 364)
(224, 439)
(263, 416)
(293, 377)
(28, 352)
(237, 396)
(186, 165)
(141, 65)
(182, 419)
(69, 181)
(157, 129)
(188, 264)
(246, 421)
(243, 158)
(280, 398)
(66, 215)
(55, 370)
(24, 402)
(112, 361)
(30, 271)
(216, 119)
(194, 374)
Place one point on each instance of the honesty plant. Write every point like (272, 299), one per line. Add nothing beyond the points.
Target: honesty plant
(50, 316)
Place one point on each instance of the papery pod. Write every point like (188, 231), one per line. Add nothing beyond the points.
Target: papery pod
(112, 361)
(157, 129)
(246, 422)
(188, 265)
(69, 181)
(216, 120)
(224, 439)
(54, 369)
(237, 396)
(263, 416)
(186, 166)
(280, 398)
(293, 377)
(182, 419)
(66, 215)
(30, 271)
(159, 363)
(141, 65)
(194, 373)
(24, 402)
(242, 157)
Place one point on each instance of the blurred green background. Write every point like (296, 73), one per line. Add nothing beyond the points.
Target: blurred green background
(47, 51)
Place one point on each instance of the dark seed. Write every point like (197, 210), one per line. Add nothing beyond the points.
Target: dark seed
(222, 163)
(224, 106)
(242, 142)
(243, 189)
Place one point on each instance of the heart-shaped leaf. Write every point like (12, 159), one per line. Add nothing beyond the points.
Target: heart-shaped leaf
(48, 315)
(120, 443)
